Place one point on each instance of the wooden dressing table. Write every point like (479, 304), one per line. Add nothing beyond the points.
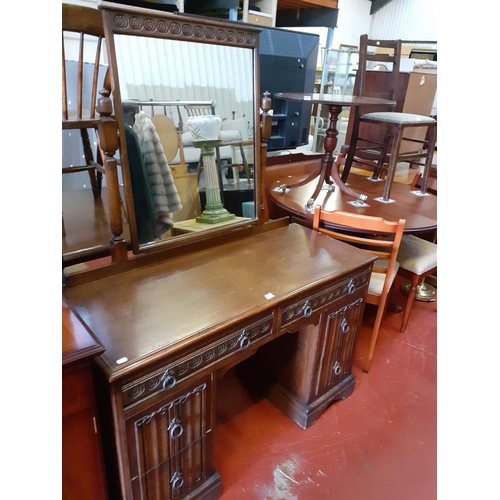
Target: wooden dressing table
(174, 319)
(172, 328)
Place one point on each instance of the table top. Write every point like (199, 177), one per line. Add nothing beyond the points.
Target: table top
(77, 342)
(420, 212)
(341, 100)
(142, 315)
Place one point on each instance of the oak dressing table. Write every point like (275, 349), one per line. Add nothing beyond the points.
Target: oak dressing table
(176, 317)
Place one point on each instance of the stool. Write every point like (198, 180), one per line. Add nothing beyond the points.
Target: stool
(417, 259)
(376, 135)
(399, 122)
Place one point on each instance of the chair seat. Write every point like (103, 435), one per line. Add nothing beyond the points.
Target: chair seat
(417, 255)
(377, 279)
(398, 118)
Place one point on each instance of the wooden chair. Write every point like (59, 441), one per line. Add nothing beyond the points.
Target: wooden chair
(377, 236)
(382, 139)
(79, 111)
(417, 257)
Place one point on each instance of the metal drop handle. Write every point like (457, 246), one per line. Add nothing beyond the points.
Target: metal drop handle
(244, 340)
(177, 480)
(168, 380)
(337, 369)
(344, 326)
(351, 287)
(175, 429)
(307, 309)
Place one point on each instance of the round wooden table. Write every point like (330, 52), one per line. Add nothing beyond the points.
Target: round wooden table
(419, 211)
(335, 104)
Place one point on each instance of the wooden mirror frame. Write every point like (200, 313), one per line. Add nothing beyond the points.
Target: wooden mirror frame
(120, 20)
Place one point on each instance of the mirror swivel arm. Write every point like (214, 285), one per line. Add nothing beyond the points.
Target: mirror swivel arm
(108, 142)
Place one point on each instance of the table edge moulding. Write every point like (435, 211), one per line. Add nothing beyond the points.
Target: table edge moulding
(172, 328)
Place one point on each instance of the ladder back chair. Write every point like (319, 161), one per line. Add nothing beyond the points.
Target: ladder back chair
(377, 138)
(377, 236)
(79, 105)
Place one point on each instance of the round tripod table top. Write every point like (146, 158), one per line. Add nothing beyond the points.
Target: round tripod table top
(420, 212)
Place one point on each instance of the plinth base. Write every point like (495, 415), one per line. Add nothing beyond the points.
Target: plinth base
(424, 292)
(215, 216)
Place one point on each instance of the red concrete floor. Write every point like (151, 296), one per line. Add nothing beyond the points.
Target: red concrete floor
(378, 444)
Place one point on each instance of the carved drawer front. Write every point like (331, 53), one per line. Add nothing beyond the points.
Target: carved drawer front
(175, 477)
(336, 357)
(162, 431)
(167, 377)
(307, 306)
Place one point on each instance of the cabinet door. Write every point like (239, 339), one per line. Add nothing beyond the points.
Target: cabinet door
(336, 356)
(170, 443)
(82, 469)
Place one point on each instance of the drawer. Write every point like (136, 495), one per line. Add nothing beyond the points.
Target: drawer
(169, 375)
(177, 476)
(165, 429)
(307, 306)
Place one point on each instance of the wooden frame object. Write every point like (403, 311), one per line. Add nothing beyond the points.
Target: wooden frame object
(120, 20)
(378, 237)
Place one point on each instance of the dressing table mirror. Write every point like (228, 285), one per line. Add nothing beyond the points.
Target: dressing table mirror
(167, 68)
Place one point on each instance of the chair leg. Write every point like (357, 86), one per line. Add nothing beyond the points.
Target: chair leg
(89, 159)
(94, 184)
(431, 145)
(393, 163)
(414, 281)
(352, 145)
(245, 164)
(373, 339)
(383, 154)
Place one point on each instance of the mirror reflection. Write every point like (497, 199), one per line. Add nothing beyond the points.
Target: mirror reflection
(189, 171)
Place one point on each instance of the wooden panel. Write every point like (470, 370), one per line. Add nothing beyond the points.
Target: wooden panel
(82, 470)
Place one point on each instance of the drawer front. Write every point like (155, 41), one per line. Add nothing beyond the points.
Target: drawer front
(168, 376)
(163, 430)
(340, 334)
(308, 306)
(176, 477)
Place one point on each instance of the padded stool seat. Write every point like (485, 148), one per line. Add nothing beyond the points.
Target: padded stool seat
(417, 259)
(400, 118)
(417, 255)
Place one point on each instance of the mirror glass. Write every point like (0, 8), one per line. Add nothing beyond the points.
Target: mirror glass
(187, 111)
